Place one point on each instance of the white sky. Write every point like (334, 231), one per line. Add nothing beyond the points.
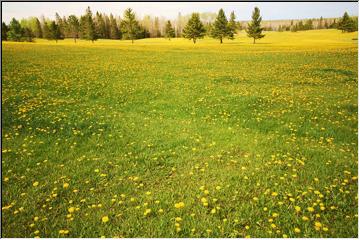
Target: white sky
(269, 11)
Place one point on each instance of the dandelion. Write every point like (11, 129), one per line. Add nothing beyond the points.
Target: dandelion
(310, 209)
(35, 184)
(297, 230)
(178, 219)
(297, 208)
(147, 211)
(105, 219)
(213, 211)
(305, 218)
(318, 225)
(179, 205)
(65, 185)
(71, 209)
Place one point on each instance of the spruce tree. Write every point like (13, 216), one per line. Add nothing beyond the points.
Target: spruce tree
(169, 30)
(15, 32)
(129, 25)
(88, 26)
(254, 29)
(59, 22)
(45, 28)
(4, 31)
(346, 24)
(55, 33)
(194, 29)
(100, 25)
(114, 30)
(38, 31)
(74, 27)
(220, 28)
(232, 26)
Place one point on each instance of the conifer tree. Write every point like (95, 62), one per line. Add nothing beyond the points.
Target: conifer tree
(220, 28)
(346, 24)
(232, 26)
(38, 31)
(87, 26)
(114, 30)
(254, 29)
(4, 31)
(45, 28)
(129, 25)
(100, 25)
(74, 27)
(55, 33)
(15, 32)
(169, 30)
(194, 29)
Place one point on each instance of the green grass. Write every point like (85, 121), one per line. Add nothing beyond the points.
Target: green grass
(242, 121)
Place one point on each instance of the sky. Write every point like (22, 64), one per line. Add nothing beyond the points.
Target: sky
(170, 10)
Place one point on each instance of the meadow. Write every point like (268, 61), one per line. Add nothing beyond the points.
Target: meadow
(173, 139)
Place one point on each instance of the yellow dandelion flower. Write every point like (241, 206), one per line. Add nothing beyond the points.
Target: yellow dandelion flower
(297, 208)
(178, 219)
(304, 218)
(213, 211)
(325, 229)
(35, 184)
(147, 211)
(148, 193)
(179, 205)
(310, 209)
(206, 192)
(297, 230)
(105, 219)
(65, 185)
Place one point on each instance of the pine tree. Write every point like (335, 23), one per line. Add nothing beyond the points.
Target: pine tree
(38, 31)
(254, 29)
(100, 25)
(15, 32)
(87, 26)
(129, 25)
(169, 30)
(55, 33)
(60, 24)
(220, 27)
(74, 27)
(157, 27)
(4, 31)
(28, 34)
(232, 26)
(194, 29)
(346, 24)
(114, 30)
(45, 28)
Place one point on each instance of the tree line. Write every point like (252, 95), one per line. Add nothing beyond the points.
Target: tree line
(101, 26)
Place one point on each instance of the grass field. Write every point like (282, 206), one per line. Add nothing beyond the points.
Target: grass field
(170, 139)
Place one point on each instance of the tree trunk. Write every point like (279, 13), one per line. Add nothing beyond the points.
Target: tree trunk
(254, 41)
(220, 39)
(56, 40)
(132, 41)
(194, 40)
(75, 40)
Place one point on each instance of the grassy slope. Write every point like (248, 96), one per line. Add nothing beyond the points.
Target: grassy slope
(175, 119)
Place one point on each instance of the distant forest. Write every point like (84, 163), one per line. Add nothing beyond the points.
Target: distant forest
(92, 26)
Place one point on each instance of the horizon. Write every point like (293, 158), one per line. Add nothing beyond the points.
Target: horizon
(170, 10)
